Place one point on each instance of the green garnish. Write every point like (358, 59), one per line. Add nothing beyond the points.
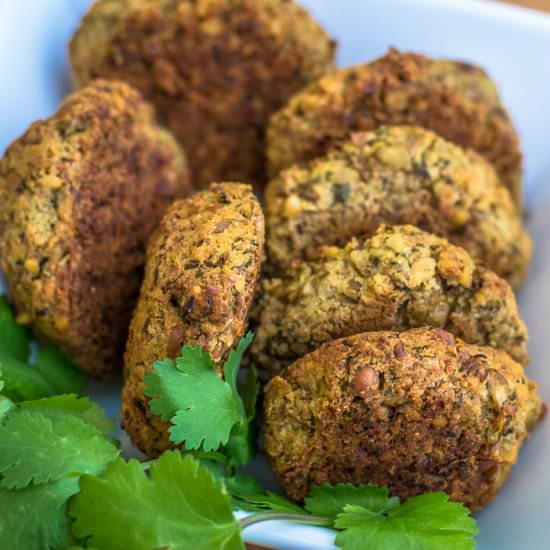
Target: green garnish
(179, 506)
(206, 411)
(50, 373)
(45, 446)
(427, 522)
(58, 460)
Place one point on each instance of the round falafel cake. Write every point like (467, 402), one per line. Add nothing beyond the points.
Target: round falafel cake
(456, 100)
(80, 193)
(417, 411)
(399, 278)
(396, 175)
(214, 69)
(203, 264)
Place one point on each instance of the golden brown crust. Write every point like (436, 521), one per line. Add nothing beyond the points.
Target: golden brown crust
(214, 69)
(417, 411)
(456, 100)
(202, 267)
(392, 175)
(397, 279)
(80, 194)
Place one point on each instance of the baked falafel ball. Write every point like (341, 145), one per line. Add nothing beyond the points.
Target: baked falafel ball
(214, 69)
(203, 264)
(417, 411)
(400, 278)
(456, 100)
(80, 194)
(396, 175)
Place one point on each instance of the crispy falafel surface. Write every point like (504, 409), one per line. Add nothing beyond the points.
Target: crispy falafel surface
(80, 194)
(203, 264)
(398, 174)
(214, 69)
(399, 278)
(456, 100)
(417, 411)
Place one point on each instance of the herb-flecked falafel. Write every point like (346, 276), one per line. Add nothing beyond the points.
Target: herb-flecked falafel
(203, 264)
(456, 100)
(214, 69)
(396, 175)
(417, 411)
(399, 278)
(80, 194)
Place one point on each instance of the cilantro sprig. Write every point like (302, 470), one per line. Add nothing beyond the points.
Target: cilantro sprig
(207, 412)
(178, 506)
(26, 377)
(210, 414)
(63, 485)
(45, 446)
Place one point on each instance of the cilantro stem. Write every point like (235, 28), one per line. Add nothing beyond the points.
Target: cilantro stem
(271, 516)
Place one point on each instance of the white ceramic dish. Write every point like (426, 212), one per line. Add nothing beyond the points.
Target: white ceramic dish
(513, 44)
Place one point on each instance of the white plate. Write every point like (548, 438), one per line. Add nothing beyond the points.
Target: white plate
(513, 44)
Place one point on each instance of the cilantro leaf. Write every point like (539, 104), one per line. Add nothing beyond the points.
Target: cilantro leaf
(201, 406)
(232, 365)
(329, 500)
(6, 404)
(22, 381)
(243, 485)
(426, 522)
(34, 448)
(35, 517)
(81, 407)
(241, 447)
(249, 390)
(180, 506)
(59, 370)
(15, 340)
(266, 502)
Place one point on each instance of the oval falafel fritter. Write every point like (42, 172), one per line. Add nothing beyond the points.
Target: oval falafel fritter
(80, 193)
(456, 100)
(214, 69)
(417, 411)
(202, 268)
(398, 279)
(396, 175)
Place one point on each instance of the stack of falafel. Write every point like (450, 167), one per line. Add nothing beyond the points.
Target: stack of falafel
(386, 328)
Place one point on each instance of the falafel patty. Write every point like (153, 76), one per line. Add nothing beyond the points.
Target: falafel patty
(202, 268)
(396, 175)
(400, 278)
(456, 100)
(417, 411)
(214, 69)
(80, 193)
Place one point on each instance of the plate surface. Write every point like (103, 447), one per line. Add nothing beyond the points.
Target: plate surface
(511, 43)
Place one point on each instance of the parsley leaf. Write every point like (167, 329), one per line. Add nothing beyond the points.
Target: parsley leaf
(37, 449)
(35, 517)
(179, 506)
(206, 412)
(329, 500)
(425, 522)
(82, 407)
(59, 370)
(15, 340)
